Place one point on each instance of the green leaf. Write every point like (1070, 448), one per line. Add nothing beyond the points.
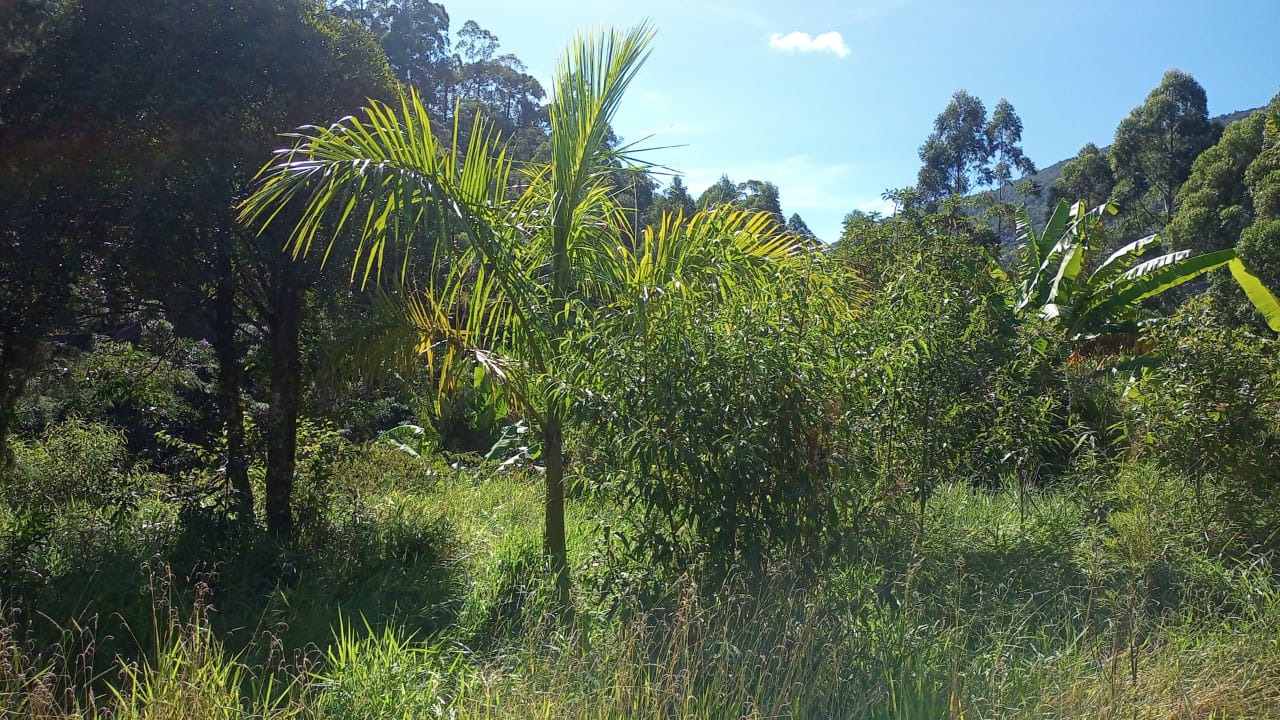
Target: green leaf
(1154, 277)
(411, 439)
(1261, 297)
(510, 443)
(1112, 266)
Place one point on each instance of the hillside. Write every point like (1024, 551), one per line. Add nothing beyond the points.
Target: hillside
(1038, 207)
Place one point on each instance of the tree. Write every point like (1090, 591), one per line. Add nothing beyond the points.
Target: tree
(966, 151)
(415, 36)
(160, 152)
(1228, 200)
(1259, 246)
(720, 194)
(1154, 148)
(757, 195)
(527, 273)
(957, 150)
(675, 200)
(1004, 133)
(797, 226)
(467, 75)
(1086, 177)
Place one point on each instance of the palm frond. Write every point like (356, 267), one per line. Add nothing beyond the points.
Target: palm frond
(385, 177)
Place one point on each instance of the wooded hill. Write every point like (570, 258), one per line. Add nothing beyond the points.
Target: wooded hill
(1044, 178)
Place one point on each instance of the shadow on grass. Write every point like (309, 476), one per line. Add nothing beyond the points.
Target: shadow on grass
(108, 596)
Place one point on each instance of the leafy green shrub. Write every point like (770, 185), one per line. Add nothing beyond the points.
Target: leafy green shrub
(1208, 407)
(156, 383)
(76, 479)
(720, 428)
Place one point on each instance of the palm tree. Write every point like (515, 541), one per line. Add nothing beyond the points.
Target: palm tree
(521, 260)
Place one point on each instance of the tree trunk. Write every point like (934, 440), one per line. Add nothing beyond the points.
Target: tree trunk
(553, 533)
(284, 330)
(6, 425)
(230, 375)
(16, 359)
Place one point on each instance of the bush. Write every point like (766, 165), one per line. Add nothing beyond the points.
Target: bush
(1208, 407)
(76, 480)
(719, 429)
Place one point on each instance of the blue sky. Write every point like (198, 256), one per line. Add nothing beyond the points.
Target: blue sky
(834, 121)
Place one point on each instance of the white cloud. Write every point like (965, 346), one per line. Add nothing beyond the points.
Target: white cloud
(832, 42)
(876, 205)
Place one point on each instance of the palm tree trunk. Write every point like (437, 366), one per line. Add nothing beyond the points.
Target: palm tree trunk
(553, 531)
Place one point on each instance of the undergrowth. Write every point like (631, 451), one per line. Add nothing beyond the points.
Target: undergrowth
(1129, 602)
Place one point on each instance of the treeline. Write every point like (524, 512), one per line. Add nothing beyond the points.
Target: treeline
(131, 130)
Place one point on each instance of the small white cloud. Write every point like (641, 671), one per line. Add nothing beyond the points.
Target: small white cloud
(880, 205)
(832, 42)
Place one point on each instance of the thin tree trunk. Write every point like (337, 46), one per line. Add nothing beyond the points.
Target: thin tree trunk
(230, 375)
(6, 424)
(16, 358)
(284, 329)
(553, 533)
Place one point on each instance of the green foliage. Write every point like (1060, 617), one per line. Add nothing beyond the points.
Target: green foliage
(674, 200)
(1060, 281)
(878, 482)
(491, 302)
(956, 150)
(719, 427)
(1154, 149)
(142, 387)
(754, 195)
(938, 334)
(1086, 177)
(1207, 407)
(967, 150)
(1214, 206)
(411, 439)
(76, 481)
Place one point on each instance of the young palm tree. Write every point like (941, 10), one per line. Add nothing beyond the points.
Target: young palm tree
(520, 261)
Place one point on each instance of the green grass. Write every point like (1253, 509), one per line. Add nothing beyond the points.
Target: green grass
(421, 599)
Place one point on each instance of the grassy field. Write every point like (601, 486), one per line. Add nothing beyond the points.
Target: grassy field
(415, 595)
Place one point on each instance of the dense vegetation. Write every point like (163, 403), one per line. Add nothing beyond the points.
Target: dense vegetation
(449, 409)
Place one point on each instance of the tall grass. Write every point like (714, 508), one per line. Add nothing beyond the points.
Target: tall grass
(1054, 604)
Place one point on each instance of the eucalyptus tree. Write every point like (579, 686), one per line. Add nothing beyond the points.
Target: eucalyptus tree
(522, 262)
(1004, 135)
(1154, 148)
(966, 150)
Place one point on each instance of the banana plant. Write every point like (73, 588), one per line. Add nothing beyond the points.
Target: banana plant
(1107, 300)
